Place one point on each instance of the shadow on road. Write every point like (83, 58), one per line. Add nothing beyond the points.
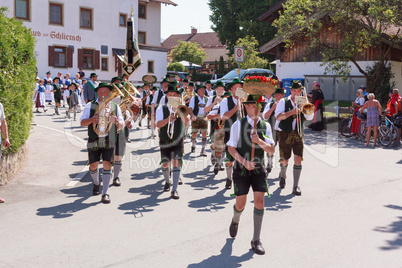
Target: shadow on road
(225, 259)
(278, 202)
(211, 203)
(140, 206)
(393, 228)
(79, 194)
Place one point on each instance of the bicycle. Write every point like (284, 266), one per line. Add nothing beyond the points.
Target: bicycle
(345, 126)
(388, 135)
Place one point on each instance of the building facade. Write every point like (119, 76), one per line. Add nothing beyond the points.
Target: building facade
(87, 34)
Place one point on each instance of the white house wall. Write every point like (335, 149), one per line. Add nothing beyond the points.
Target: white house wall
(397, 71)
(106, 31)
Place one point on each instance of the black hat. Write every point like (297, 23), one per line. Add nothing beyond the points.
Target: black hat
(56, 78)
(227, 94)
(219, 84)
(208, 82)
(175, 83)
(165, 80)
(154, 88)
(80, 68)
(234, 82)
(168, 75)
(172, 88)
(251, 99)
(279, 90)
(48, 72)
(92, 75)
(108, 85)
(73, 84)
(296, 84)
(191, 84)
(199, 87)
(185, 80)
(115, 79)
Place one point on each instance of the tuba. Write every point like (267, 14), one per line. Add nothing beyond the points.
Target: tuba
(105, 111)
(179, 110)
(126, 103)
(130, 89)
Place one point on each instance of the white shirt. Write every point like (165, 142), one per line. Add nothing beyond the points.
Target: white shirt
(200, 101)
(224, 105)
(156, 98)
(280, 108)
(210, 92)
(235, 132)
(87, 112)
(359, 101)
(266, 109)
(214, 110)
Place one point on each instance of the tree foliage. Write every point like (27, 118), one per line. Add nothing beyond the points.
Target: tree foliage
(341, 31)
(176, 66)
(17, 78)
(188, 51)
(251, 55)
(236, 19)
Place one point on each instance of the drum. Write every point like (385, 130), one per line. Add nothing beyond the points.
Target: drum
(136, 108)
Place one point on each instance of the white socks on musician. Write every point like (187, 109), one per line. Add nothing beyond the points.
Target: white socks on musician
(117, 168)
(94, 176)
(229, 172)
(106, 176)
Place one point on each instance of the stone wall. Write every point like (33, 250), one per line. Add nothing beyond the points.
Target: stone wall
(11, 164)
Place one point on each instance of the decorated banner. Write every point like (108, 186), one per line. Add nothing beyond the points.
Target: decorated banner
(259, 85)
(132, 57)
(150, 79)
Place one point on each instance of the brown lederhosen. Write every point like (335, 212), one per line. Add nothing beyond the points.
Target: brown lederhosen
(289, 141)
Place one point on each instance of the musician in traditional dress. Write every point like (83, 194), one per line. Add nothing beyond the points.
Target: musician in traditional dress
(149, 109)
(230, 112)
(269, 116)
(199, 120)
(184, 85)
(89, 88)
(101, 146)
(250, 172)
(156, 101)
(57, 94)
(144, 94)
(208, 88)
(188, 94)
(72, 99)
(171, 125)
(291, 135)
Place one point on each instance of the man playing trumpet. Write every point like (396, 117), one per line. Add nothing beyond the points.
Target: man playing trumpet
(198, 118)
(171, 124)
(291, 135)
(101, 145)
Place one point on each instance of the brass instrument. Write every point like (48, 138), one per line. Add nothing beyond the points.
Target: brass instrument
(179, 110)
(131, 89)
(305, 107)
(126, 103)
(104, 112)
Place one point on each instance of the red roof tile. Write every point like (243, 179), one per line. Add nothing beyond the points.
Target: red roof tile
(206, 40)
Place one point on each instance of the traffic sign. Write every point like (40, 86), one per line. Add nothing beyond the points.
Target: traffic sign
(239, 54)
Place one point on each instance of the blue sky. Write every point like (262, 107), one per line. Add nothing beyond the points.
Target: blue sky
(179, 19)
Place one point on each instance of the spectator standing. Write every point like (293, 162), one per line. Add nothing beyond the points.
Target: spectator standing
(357, 104)
(373, 114)
(81, 74)
(317, 96)
(89, 88)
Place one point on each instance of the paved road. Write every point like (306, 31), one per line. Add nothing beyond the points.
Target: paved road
(350, 213)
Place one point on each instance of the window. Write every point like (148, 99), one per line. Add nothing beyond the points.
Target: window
(88, 59)
(22, 9)
(142, 11)
(105, 65)
(60, 57)
(150, 67)
(55, 13)
(123, 20)
(85, 18)
(142, 38)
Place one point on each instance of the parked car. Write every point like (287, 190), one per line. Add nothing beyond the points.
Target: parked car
(244, 73)
(177, 75)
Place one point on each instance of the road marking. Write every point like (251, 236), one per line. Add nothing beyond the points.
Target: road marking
(84, 171)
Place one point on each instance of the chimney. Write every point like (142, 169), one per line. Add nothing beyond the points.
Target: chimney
(193, 31)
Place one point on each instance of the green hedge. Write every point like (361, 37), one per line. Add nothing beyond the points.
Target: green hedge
(17, 78)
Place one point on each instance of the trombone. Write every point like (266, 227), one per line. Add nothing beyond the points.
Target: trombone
(306, 108)
(179, 110)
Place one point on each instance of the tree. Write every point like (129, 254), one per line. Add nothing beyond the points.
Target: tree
(343, 31)
(251, 55)
(221, 66)
(17, 78)
(188, 51)
(176, 66)
(237, 18)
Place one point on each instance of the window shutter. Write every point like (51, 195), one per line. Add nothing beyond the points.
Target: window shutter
(97, 59)
(51, 56)
(70, 57)
(80, 58)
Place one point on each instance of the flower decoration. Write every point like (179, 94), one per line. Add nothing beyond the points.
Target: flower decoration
(260, 79)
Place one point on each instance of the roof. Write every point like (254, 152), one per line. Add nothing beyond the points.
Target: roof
(271, 14)
(206, 40)
(167, 2)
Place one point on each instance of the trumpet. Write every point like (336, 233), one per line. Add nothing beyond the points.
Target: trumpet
(305, 107)
(104, 111)
(179, 110)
